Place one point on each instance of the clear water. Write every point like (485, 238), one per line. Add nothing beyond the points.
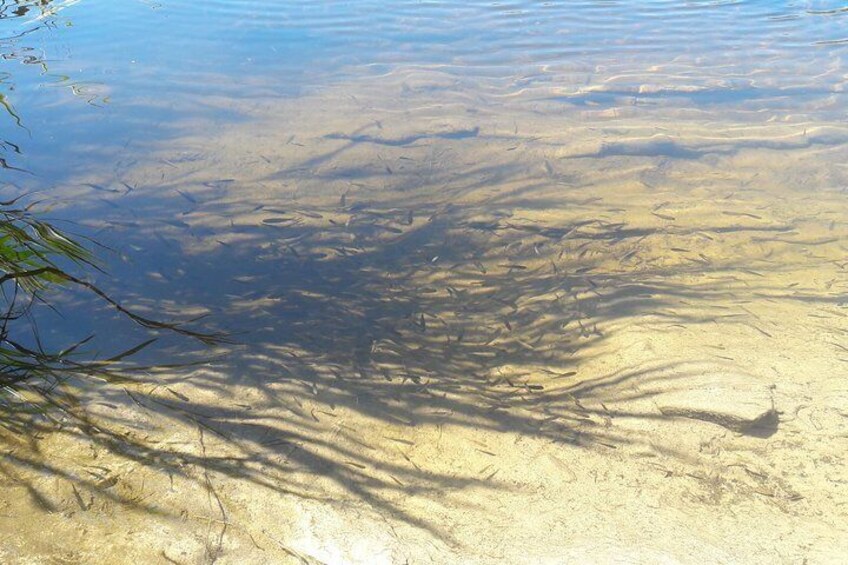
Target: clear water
(460, 212)
(421, 139)
(87, 81)
(336, 176)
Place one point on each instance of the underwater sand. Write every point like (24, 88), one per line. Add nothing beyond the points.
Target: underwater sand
(517, 331)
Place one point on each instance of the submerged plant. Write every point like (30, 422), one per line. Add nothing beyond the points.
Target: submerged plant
(36, 258)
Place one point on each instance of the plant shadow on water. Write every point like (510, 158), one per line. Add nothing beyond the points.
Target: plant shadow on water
(404, 316)
(441, 315)
(446, 274)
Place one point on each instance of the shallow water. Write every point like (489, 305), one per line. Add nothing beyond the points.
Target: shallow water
(87, 81)
(496, 217)
(97, 93)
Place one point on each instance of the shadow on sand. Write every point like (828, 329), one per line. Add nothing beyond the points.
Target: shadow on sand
(403, 316)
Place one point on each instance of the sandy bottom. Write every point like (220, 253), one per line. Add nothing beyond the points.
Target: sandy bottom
(473, 333)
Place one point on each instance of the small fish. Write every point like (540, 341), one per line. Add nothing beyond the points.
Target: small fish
(725, 357)
(79, 498)
(743, 214)
(187, 196)
(101, 188)
(179, 395)
(405, 456)
(399, 440)
(629, 254)
(218, 183)
(765, 333)
(755, 273)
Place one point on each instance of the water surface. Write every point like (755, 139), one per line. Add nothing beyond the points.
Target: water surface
(505, 218)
